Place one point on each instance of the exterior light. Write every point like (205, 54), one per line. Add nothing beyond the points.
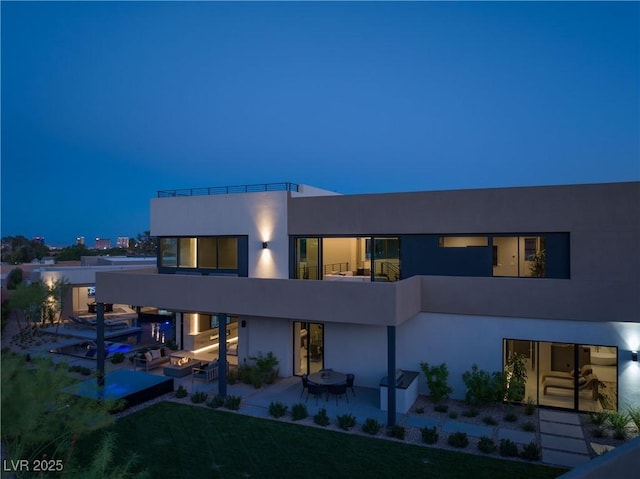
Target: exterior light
(265, 245)
(634, 355)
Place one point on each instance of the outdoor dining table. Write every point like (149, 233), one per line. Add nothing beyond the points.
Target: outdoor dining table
(328, 378)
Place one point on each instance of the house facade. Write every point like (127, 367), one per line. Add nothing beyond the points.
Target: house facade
(374, 282)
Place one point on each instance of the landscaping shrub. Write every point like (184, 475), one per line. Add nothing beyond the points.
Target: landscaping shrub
(453, 415)
(529, 426)
(598, 418)
(117, 358)
(74, 369)
(371, 426)
(619, 421)
(299, 411)
(321, 419)
(429, 435)
(531, 452)
(598, 431)
(458, 439)
(634, 415)
(420, 410)
(441, 407)
(473, 412)
(486, 445)
(181, 392)
(198, 397)
(346, 421)
(510, 415)
(490, 421)
(396, 431)
(277, 409)
(232, 402)
(482, 387)
(508, 448)
(437, 377)
(530, 407)
(216, 402)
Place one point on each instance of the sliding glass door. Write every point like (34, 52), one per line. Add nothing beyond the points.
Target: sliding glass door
(308, 347)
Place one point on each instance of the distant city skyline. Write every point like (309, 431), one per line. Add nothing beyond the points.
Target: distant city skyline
(105, 103)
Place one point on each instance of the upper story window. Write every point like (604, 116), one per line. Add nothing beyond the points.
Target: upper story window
(206, 252)
(519, 256)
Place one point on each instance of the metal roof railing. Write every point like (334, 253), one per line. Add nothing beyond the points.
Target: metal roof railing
(226, 190)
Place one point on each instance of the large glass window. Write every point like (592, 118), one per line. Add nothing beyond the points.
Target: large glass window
(520, 256)
(308, 347)
(307, 258)
(386, 259)
(212, 252)
(566, 375)
(462, 241)
(169, 252)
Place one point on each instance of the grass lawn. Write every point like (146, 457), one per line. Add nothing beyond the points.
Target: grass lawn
(176, 440)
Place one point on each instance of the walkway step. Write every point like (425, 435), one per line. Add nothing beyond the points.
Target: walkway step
(561, 429)
(559, 416)
(560, 443)
(564, 459)
(474, 430)
(421, 421)
(520, 437)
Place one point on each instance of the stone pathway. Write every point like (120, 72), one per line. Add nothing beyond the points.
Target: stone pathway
(562, 439)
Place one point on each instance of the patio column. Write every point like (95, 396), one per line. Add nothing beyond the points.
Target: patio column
(222, 355)
(100, 343)
(391, 375)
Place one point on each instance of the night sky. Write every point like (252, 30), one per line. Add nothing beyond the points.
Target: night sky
(103, 104)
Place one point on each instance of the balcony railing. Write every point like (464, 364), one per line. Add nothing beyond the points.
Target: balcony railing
(226, 190)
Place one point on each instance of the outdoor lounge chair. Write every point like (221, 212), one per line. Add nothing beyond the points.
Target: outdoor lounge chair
(115, 324)
(207, 372)
(83, 321)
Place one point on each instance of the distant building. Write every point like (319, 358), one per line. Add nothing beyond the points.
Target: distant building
(80, 240)
(38, 239)
(122, 242)
(102, 243)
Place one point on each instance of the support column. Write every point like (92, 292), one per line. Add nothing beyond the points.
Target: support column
(222, 355)
(178, 330)
(391, 376)
(100, 343)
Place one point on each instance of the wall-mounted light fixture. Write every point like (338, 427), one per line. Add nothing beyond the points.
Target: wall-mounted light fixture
(634, 355)
(265, 245)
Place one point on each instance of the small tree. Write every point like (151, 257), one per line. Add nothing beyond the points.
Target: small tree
(515, 377)
(14, 278)
(437, 377)
(482, 387)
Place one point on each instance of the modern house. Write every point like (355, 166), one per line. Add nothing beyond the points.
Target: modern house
(372, 283)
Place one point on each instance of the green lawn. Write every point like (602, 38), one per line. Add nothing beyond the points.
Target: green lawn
(174, 440)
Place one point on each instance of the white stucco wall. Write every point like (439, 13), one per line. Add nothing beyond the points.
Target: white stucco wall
(267, 335)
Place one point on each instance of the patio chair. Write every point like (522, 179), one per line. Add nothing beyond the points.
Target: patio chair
(83, 321)
(338, 390)
(305, 383)
(350, 379)
(315, 390)
(207, 373)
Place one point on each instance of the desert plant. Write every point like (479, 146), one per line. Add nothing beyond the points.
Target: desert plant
(489, 421)
(232, 402)
(216, 402)
(508, 448)
(598, 431)
(486, 445)
(321, 418)
(266, 368)
(531, 452)
(473, 412)
(199, 397)
(458, 439)
(429, 435)
(530, 407)
(117, 358)
(181, 392)
(599, 418)
(529, 426)
(396, 431)
(510, 415)
(482, 387)
(634, 415)
(437, 377)
(346, 421)
(619, 421)
(441, 407)
(371, 426)
(299, 411)
(277, 409)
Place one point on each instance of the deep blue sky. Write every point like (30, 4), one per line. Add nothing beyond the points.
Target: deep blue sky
(103, 104)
